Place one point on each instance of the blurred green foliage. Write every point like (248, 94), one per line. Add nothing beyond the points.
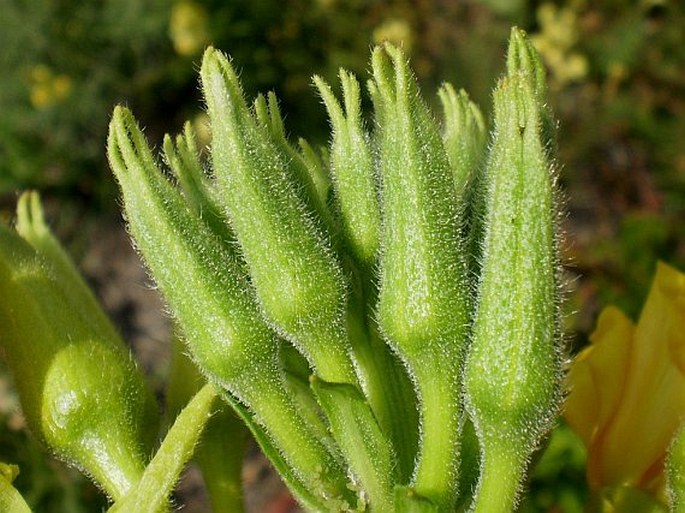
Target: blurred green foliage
(64, 63)
(617, 79)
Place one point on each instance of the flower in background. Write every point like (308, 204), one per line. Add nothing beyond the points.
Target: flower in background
(395, 30)
(627, 391)
(188, 28)
(48, 88)
(556, 43)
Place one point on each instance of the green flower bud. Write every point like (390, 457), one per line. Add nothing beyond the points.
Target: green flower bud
(352, 170)
(80, 390)
(522, 57)
(198, 190)
(512, 371)
(423, 306)
(293, 270)
(307, 173)
(220, 319)
(210, 296)
(463, 136)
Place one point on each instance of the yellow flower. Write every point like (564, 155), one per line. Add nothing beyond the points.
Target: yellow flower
(395, 30)
(188, 28)
(627, 395)
(556, 42)
(48, 89)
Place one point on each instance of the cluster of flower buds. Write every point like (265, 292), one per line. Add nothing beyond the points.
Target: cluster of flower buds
(359, 307)
(412, 273)
(382, 314)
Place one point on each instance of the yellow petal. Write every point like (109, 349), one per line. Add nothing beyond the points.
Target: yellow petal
(671, 284)
(653, 401)
(597, 379)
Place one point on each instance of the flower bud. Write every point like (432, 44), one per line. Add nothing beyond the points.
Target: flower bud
(293, 270)
(463, 135)
(464, 138)
(423, 306)
(80, 390)
(211, 298)
(512, 370)
(197, 188)
(306, 172)
(352, 170)
(11, 500)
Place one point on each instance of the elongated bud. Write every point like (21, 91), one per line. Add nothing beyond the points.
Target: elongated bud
(294, 272)
(352, 170)
(423, 300)
(183, 254)
(220, 319)
(513, 367)
(316, 161)
(312, 182)
(523, 58)
(80, 390)
(463, 135)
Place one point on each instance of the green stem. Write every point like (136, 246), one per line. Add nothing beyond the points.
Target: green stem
(500, 481)
(160, 476)
(436, 474)
(387, 388)
(299, 444)
(220, 458)
(367, 449)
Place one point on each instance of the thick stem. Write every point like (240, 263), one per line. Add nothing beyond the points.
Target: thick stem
(160, 476)
(500, 481)
(386, 385)
(391, 398)
(299, 444)
(437, 468)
